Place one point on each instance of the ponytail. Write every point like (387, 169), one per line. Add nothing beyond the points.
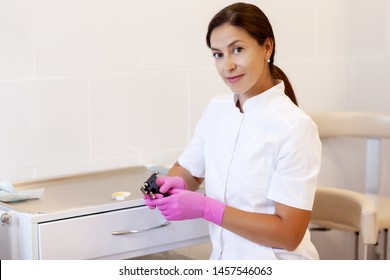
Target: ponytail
(277, 73)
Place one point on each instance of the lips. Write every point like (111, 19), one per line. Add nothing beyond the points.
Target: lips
(234, 79)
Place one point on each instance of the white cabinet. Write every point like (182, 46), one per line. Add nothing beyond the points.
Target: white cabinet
(64, 226)
(129, 232)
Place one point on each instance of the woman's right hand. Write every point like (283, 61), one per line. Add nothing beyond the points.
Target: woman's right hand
(168, 183)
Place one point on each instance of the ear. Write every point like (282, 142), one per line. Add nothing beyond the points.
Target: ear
(269, 46)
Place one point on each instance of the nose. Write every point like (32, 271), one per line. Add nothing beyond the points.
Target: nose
(229, 64)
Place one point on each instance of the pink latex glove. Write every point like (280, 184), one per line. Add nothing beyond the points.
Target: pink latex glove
(183, 205)
(168, 183)
(149, 200)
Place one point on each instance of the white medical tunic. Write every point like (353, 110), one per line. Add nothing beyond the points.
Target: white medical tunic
(269, 153)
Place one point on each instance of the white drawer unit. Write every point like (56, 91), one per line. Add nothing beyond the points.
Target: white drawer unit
(78, 219)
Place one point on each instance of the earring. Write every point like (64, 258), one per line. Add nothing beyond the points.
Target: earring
(268, 60)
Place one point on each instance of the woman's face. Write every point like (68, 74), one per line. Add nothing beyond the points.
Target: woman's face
(241, 61)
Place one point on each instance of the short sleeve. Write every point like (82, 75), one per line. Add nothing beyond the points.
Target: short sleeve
(297, 164)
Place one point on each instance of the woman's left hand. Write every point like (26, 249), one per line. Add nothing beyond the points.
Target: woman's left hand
(183, 205)
(179, 205)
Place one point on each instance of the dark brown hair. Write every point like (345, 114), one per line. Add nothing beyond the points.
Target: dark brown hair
(250, 18)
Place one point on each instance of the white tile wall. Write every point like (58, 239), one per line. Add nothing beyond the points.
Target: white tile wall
(329, 92)
(138, 112)
(86, 37)
(44, 122)
(16, 39)
(172, 37)
(96, 84)
(352, 28)
(295, 26)
(374, 94)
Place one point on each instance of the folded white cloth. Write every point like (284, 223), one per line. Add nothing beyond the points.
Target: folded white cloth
(8, 193)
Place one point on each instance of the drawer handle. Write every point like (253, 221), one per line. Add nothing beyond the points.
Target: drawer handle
(135, 231)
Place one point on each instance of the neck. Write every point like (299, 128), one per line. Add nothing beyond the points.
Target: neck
(255, 90)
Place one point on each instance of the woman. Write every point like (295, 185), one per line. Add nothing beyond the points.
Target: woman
(257, 151)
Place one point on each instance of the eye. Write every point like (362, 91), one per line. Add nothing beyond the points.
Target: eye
(237, 50)
(217, 55)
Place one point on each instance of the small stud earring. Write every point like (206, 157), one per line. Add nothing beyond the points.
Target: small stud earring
(268, 60)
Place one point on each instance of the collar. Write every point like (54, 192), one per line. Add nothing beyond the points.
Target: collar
(262, 98)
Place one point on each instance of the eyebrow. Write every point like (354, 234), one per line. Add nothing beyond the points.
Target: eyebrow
(230, 45)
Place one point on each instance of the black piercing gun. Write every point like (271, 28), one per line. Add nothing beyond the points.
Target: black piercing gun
(150, 186)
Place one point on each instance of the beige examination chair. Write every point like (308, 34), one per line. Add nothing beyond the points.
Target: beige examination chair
(346, 210)
(374, 127)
